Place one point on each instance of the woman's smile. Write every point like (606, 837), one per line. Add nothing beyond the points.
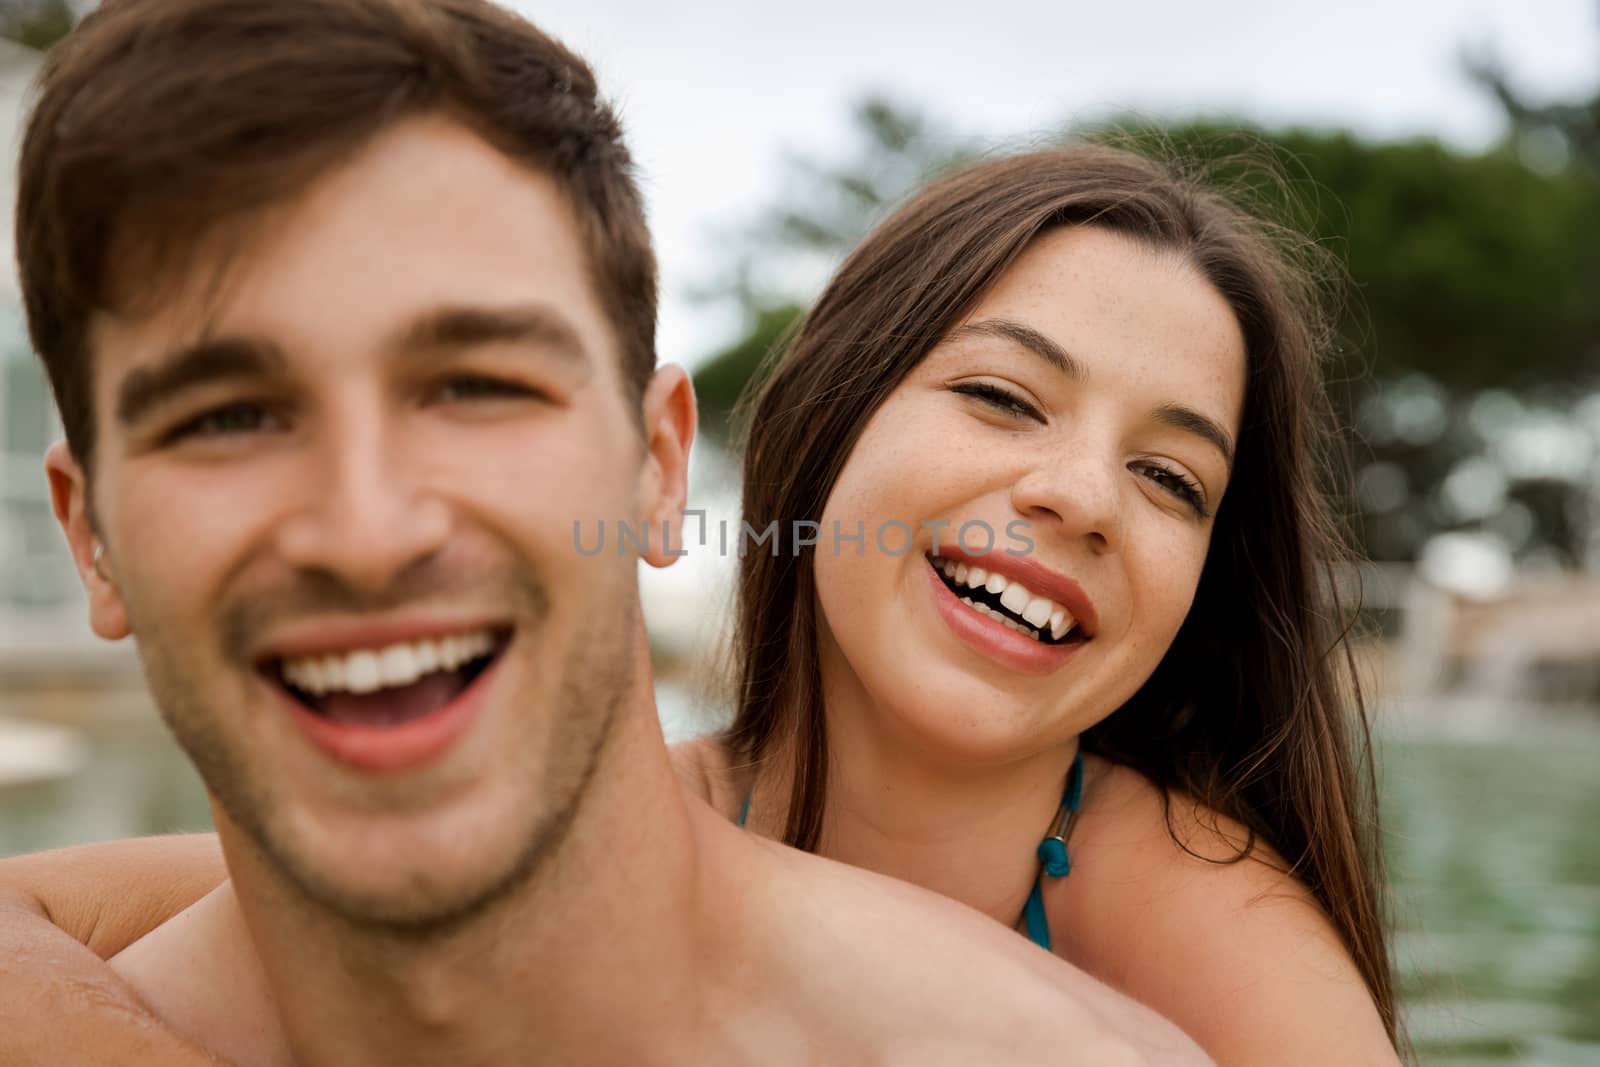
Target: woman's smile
(992, 625)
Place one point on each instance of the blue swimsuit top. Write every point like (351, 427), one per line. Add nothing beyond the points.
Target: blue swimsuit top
(1052, 853)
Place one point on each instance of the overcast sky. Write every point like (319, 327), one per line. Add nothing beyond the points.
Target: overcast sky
(715, 91)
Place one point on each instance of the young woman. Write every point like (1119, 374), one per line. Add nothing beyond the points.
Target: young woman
(1119, 358)
(1047, 627)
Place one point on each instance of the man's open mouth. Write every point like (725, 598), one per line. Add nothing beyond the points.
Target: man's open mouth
(391, 685)
(1008, 602)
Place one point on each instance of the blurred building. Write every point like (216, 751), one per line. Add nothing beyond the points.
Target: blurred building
(38, 591)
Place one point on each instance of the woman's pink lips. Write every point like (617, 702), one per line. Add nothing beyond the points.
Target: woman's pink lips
(992, 640)
(393, 748)
(1039, 579)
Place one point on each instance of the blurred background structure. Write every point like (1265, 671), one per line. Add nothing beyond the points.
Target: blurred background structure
(1449, 154)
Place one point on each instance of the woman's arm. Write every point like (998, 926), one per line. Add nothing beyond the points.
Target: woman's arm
(1237, 954)
(61, 914)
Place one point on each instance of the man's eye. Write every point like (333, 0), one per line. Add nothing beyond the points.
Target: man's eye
(228, 421)
(473, 387)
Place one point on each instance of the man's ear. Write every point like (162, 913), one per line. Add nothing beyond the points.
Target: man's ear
(69, 499)
(669, 425)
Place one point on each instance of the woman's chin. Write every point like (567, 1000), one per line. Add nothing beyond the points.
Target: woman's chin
(967, 724)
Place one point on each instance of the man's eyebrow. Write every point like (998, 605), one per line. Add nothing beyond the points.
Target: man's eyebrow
(1177, 416)
(212, 360)
(1027, 337)
(465, 327)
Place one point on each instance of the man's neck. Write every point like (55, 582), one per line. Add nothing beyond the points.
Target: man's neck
(594, 959)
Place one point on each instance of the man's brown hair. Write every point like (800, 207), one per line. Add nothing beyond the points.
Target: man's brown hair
(159, 122)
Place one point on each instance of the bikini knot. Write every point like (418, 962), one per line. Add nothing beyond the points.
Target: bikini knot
(1053, 854)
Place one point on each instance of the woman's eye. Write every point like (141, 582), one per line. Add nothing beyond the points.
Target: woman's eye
(1000, 399)
(1179, 485)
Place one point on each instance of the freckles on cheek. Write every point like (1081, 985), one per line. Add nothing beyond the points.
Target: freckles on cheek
(849, 589)
(860, 502)
(1160, 589)
(1176, 606)
(895, 488)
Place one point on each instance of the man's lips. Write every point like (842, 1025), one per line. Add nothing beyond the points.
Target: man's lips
(352, 635)
(388, 707)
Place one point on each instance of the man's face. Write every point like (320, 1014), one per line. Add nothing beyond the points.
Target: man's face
(336, 495)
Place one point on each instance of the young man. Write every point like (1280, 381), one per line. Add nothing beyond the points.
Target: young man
(349, 307)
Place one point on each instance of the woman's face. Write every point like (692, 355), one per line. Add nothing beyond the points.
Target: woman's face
(1082, 418)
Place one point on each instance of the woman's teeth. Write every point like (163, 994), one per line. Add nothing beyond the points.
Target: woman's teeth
(1004, 620)
(368, 670)
(1037, 611)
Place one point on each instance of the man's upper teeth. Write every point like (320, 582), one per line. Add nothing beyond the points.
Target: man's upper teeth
(371, 669)
(1014, 596)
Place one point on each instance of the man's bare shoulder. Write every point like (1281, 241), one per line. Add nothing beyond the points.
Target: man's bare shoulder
(924, 976)
(200, 974)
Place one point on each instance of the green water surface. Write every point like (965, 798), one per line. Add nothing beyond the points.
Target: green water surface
(1493, 844)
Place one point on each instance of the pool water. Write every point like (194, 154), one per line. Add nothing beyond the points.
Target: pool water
(1493, 842)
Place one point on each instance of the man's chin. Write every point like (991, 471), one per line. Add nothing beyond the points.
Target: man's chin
(401, 873)
(420, 892)
(414, 905)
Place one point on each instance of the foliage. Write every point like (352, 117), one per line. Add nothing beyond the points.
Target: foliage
(821, 210)
(1470, 268)
(721, 380)
(36, 24)
(1465, 271)
(1572, 127)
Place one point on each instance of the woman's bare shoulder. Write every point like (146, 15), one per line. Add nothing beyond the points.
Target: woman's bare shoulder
(1176, 903)
(1140, 850)
(1125, 812)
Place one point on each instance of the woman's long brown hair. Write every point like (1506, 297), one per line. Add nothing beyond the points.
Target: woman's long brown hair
(1256, 710)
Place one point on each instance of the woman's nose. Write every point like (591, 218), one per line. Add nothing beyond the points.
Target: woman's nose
(1074, 492)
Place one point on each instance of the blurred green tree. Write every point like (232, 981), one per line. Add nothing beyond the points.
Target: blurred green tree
(1548, 133)
(822, 209)
(1471, 268)
(1467, 270)
(36, 24)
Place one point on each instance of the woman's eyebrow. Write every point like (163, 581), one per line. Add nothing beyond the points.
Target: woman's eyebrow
(1172, 414)
(1026, 337)
(1180, 417)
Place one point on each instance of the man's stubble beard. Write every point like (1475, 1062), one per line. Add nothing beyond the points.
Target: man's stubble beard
(597, 676)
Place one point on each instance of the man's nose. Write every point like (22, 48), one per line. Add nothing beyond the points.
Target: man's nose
(369, 517)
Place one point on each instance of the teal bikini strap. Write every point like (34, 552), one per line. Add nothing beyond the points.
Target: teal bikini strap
(1052, 854)
(1033, 915)
(1053, 849)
